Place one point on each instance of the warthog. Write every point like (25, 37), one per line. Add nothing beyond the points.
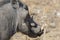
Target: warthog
(14, 16)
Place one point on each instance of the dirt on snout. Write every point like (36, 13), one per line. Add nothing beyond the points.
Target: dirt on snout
(47, 14)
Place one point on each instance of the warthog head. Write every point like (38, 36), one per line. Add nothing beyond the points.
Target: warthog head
(25, 23)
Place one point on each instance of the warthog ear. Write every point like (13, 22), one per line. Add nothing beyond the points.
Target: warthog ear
(15, 3)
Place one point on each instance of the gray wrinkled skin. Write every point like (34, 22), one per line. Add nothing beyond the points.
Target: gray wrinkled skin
(2, 2)
(7, 21)
(15, 17)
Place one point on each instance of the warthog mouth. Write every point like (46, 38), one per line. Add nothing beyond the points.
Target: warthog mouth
(34, 35)
(35, 30)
